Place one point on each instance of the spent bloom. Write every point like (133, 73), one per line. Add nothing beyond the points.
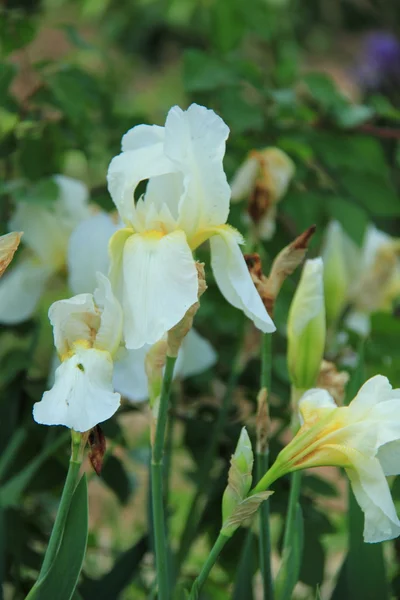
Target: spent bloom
(186, 202)
(363, 438)
(87, 255)
(46, 232)
(262, 180)
(8, 246)
(87, 333)
(306, 327)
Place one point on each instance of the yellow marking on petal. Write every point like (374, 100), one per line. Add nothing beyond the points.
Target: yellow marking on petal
(82, 344)
(153, 234)
(202, 235)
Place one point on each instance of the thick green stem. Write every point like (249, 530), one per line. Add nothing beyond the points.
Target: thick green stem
(262, 460)
(65, 502)
(208, 565)
(160, 541)
(291, 513)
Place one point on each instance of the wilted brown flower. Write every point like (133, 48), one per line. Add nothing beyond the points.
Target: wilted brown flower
(333, 381)
(8, 246)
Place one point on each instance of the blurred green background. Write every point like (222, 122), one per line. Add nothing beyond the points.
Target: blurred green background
(319, 79)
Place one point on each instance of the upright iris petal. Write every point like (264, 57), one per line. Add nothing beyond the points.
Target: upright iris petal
(186, 203)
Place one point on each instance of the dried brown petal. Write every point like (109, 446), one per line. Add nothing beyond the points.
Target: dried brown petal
(97, 443)
(333, 381)
(262, 421)
(8, 246)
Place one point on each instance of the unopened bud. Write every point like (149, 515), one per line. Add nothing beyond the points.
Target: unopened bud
(177, 334)
(240, 476)
(8, 246)
(243, 511)
(338, 254)
(306, 327)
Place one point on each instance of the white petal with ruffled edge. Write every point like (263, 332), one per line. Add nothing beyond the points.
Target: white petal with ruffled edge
(234, 281)
(130, 378)
(195, 143)
(82, 395)
(20, 290)
(160, 284)
(88, 252)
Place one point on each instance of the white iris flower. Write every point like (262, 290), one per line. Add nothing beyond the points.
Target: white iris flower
(186, 202)
(87, 334)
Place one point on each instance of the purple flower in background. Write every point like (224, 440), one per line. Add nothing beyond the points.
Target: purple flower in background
(379, 65)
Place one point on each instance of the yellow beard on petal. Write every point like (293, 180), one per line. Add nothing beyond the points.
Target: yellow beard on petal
(83, 344)
(202, 235)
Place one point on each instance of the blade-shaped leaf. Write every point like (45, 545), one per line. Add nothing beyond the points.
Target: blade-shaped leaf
(62, 578)
(289, 571)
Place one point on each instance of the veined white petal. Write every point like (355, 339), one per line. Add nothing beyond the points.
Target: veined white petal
(195, 356)
(109, 334)
(234, 281)
(74, 319)
(373, 495)
(244, 179)
(195, 143)
(376, 389)
(20, 290)
(129, 168)
(130, 378)
(88, 252)
(159, 285)
(82, 395)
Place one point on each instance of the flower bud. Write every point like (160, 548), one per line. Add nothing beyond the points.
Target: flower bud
(338, 254)
(240, 476)
(306, 327)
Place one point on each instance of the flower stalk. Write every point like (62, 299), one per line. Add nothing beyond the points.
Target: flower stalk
(160, 539)
(78, 443)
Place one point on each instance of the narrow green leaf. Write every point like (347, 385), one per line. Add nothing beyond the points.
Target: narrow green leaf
(246, 569)
(62, 578)
(289, 571)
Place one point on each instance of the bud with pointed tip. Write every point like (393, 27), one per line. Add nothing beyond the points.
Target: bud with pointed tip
(306, 327)
(240, 476)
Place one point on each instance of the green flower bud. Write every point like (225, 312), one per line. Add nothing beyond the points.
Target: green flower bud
(306, 327)
(240, 476)
(339, 254)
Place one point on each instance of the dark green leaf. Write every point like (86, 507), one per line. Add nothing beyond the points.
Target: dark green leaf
(353, 218)
(62, 578)
(288, 574)
(246, 569)
(115, 476)
(353, 115)
(374, 192)
(44, 191)
(205, 73)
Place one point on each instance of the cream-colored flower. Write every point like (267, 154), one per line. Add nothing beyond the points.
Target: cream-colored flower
(87, 334)
(363, 437)
(46, 233)
(186, 203)
(306, 327)
(263, 180)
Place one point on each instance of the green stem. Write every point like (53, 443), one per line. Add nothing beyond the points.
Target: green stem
(291, 513)
(262, 463)
(204, 474)
(208, 565)
(63, 508)
(160, 541)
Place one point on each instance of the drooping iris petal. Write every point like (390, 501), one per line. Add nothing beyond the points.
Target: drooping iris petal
(88, 252)
(233, 278)
(195, 143)
(130, 378)
(20, 290)
(82, 395)
(373, 495)
(73, 199)
(159, 285)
